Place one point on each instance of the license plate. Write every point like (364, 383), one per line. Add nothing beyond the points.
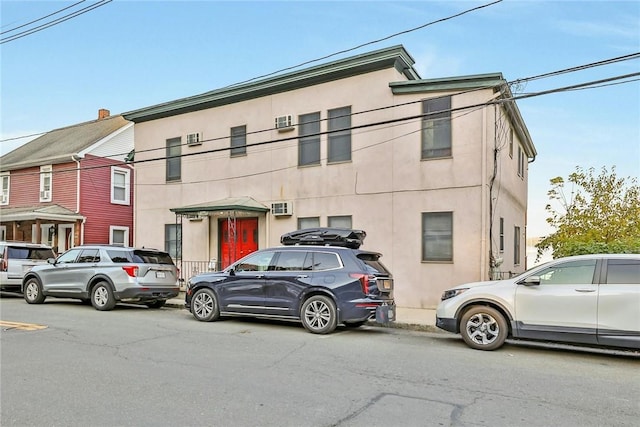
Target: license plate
(160, 274)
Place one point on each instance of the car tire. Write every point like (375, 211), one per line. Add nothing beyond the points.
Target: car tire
(102, 297)
(33, 292)
(156, 304)
(353, 325)
(204, 305)
(483, 328)
(319, 315)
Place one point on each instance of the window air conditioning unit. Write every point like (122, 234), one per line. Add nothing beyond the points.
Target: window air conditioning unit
(284, 123)
(194, 138)
(44, 195)
(4, 199)
(282, 208)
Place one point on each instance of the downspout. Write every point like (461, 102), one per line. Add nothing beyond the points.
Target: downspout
(76, 158)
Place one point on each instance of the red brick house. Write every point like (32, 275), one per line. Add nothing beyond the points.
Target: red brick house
(70, 186)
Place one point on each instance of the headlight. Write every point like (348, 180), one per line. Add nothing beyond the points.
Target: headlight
(450, 293)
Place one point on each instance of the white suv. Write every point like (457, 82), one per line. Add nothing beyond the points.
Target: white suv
(16, 258)
(586, 299)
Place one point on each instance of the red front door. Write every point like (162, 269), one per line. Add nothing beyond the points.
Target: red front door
(238, 238)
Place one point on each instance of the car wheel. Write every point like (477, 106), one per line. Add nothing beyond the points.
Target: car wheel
(204, 305)
(483, 328)
(102, 297)
(33, 292)
(156, 304)
(353, 325)
(319, 314)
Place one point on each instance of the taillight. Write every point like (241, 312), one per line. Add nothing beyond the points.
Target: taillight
(132, 270)
(364, 281)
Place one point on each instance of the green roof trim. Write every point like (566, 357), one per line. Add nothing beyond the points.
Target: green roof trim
(395, 56)
(230, 204)
(474, 81)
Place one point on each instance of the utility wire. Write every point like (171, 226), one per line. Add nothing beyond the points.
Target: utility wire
(54, 22)
(44, 17)
(364, 126)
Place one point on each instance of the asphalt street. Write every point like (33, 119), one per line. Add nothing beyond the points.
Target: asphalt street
(66, 364)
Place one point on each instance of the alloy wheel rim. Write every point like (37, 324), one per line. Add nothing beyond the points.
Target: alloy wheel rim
(32, 291)
(101, 296)
(317, 315)
(203, 305)
(483, 328)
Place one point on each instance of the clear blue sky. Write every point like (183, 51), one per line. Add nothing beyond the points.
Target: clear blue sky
(131, 54)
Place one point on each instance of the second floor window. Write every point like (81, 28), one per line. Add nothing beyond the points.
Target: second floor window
(339, 141)
(309, 139)
(238, 141)
(4, 188)
(45, 183)
(120, 186)
(174, 159)
(436, 128)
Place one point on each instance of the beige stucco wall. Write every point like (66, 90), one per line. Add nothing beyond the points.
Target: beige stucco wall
(385, 188)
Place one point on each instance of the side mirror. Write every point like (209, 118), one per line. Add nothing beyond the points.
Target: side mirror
(531, 281)
(51, 260)
(232, 271)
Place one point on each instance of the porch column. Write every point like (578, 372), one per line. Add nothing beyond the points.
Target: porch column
(38, 235)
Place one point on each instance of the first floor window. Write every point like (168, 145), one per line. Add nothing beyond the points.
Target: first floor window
(173, 240)
(238, 141)
(174, 159)
(309, 139)
(436, 128)
(308, 222)
(342, 221)
(516, 245)
(119, 236)
(437, 236)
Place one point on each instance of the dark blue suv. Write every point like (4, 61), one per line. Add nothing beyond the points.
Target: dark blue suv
(319, 279)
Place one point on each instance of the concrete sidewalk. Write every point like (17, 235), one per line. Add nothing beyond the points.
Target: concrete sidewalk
(423, 319)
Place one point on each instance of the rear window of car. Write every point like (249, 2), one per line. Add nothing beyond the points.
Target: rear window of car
(372, 261)
(151, 257)
(29, 253)
(623, 272)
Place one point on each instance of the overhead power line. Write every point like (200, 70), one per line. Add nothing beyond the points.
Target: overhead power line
(40, 19)
(57, 21)
(585, 85)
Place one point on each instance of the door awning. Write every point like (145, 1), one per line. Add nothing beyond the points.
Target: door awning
(246, 204)
(33, 213)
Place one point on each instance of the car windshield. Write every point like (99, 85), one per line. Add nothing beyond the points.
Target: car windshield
(151, 257)
(30, 253)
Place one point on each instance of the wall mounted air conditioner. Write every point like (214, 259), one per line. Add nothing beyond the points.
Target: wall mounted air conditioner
(45, 195)
(282, 208)
(284, 123)
(4, 199)
(194, 138)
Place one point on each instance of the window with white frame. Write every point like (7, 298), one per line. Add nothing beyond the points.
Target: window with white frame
(174, 159)
(520, 162)
(118, 235)
(341, 221)
(308, 222)
(339, 137)
(511, 143)
(120, 185)
(437, 236)
(5, 182)
(46, 183)
(436, 128)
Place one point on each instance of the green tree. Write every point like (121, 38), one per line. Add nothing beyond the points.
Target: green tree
(601, 215)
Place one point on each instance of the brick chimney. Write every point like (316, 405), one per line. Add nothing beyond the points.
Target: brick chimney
(103, 114)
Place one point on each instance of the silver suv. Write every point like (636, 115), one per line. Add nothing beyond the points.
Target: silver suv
(16, 258)
(104, 275)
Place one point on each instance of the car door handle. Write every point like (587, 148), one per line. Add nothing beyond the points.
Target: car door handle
(302, 276)
(259, 276)
(585, 290)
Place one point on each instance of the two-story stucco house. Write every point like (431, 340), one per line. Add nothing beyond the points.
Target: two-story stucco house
(435, 171)
(70, 186)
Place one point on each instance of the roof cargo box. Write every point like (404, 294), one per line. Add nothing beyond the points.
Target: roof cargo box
(326, 236)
